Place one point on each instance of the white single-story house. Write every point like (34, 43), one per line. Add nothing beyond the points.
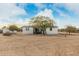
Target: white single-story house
(30, 30)
(27, 30)
(52, 30)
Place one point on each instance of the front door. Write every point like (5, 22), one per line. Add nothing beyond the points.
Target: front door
(37, 31)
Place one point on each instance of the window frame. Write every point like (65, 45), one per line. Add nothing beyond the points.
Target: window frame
(50, 28)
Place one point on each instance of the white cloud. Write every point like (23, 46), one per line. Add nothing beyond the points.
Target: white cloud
(22, 22)
(22, 5)
(46, 12)
(73, 6)
(39, 5)
(65, 18)
(10, 10)
(62, 14)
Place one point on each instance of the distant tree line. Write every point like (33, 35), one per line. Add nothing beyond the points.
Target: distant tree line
(69, 29)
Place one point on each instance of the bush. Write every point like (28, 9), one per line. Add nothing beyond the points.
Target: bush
(1, 31)
(70, 29)
(13, 28)
(7, 34)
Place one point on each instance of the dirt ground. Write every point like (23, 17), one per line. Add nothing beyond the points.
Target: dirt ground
(39, 45)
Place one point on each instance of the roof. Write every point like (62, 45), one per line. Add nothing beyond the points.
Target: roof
(32, 26)
(55, 26)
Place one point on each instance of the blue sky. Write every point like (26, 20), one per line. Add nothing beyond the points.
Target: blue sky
(20, 13)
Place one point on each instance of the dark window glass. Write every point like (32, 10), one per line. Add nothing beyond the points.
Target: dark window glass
(50, 28)
(27, 28)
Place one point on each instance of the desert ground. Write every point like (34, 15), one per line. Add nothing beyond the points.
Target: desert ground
(39, 45)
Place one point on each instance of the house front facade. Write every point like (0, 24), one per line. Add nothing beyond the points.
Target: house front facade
(30, 30)
(27, 30)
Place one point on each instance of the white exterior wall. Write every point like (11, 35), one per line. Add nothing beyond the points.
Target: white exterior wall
(54, 31)
(5, 30)
(30, 31)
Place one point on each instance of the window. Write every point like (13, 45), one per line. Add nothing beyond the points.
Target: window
(50, 28)
(27, 28)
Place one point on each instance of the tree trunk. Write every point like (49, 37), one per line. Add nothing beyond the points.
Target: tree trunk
(43, 32)
(69, 33)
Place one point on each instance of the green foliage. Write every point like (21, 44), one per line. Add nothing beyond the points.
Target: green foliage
(77, 31)
(42, 21)
(13, 28)
(70, 29)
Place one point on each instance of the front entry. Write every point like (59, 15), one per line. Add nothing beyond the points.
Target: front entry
(37, 31)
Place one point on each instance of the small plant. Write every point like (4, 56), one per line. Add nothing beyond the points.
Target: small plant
(6, 31)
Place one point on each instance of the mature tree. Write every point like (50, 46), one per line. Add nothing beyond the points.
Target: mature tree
(13, 28)
(70, 29)
(42, 22)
